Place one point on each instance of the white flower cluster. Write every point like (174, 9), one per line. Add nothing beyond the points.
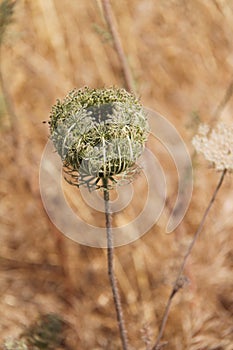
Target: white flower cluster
(216, 145)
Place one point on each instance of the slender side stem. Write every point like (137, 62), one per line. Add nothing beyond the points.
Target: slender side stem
(223, 103)
(10, 108)
(179, 282)
(111, 275)
(111, 22)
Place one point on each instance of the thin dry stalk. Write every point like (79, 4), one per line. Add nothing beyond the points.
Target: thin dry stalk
(17, 143)
(10, 109)
(180, 280)
(6, 14)
(111, 22)
(111, 274)
(223, 103)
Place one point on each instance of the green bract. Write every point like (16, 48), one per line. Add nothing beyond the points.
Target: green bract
(99, 133)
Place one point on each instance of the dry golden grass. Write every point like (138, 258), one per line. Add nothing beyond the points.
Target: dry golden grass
(181, 55)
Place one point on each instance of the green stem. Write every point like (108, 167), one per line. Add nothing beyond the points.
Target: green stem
(111, 275)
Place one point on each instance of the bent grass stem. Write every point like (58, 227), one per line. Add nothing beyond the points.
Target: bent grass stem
(179, 282)
(112, 26)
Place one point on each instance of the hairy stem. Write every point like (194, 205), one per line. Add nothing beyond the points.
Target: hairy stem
(111, 275)
(111, 22)
(179, 282)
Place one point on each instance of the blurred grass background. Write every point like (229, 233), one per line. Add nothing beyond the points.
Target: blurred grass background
(181, 56)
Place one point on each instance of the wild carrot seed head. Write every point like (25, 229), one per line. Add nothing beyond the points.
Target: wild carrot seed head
(99, 133)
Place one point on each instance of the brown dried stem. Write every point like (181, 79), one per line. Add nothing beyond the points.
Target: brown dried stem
(111, 274)
(9, 106)
(226, 98)
(179, 282)
(111, 22)
(6, 14)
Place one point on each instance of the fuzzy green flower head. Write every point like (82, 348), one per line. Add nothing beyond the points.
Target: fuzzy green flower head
(216, 145)
(99, 133)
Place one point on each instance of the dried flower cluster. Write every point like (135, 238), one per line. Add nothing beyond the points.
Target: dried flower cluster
(99, 133)
(216, 145)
